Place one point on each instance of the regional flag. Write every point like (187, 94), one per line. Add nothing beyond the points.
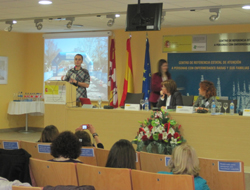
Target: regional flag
(112, 76)
(146, 73)
(128, 85)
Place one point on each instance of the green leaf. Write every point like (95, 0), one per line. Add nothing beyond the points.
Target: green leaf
(173, 122)
(156, 136)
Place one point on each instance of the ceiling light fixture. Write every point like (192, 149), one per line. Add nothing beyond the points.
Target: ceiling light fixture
(70, 23)
(111, 21)
(39, 24)
(45, 2)
(246, 7)
(214, 17)
(9, 28)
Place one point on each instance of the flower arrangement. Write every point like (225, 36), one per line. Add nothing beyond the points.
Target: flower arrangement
(158, 131)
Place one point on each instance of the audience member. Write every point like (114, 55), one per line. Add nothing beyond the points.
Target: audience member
(49, 133)
(122, 155)
(170, 97)
(157, 78)
(66, 148)
(84, 136)
(207, 93)
(185, 161)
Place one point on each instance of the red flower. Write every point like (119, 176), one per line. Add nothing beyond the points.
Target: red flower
(150, 127)
(144, 138)
(179, 127)
(169, 136)
(151, 137)
(141, 130)
(176, 135)
(160, 136)
(166, 125)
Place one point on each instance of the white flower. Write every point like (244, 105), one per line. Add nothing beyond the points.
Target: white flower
(164, 135)
(158, 114)
(173, 140)
(154, 130)
(157, 121)
(148, 134)
(146, 129)
(159, 129)
(171, 131)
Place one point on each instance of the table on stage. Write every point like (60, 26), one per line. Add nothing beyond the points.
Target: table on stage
(220, 136)
(19, 108)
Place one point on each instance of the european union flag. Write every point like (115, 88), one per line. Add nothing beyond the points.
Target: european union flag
(146, 73)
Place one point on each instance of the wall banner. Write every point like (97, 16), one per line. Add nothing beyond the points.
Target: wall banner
(229, 71)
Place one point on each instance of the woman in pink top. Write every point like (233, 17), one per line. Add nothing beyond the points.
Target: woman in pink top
(157, 79)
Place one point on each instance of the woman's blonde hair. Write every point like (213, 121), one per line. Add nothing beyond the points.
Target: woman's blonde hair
(184, 161)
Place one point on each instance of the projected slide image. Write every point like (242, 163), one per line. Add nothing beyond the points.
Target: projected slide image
(59, 58)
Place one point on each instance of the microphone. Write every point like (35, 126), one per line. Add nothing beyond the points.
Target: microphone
(109, 106)
(241, 112)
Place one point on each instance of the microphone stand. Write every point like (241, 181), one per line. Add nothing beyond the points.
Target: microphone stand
(109, 106)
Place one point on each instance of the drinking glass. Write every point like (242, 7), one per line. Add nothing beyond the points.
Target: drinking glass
(142, 102)
(225, 106)
(219, 106)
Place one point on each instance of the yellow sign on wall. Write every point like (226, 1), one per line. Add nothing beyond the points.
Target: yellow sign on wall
(177, 44)
(51, 89)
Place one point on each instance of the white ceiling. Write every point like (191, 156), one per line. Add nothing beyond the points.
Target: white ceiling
(177, 13)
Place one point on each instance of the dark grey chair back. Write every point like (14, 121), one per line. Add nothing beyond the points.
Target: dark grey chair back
(187, 100)
(228, 102)
(134, 98)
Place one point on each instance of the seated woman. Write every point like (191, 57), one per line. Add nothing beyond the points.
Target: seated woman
(49, 133)
(66, 148)
(170, 97)
(84, 137)
(122, 155)
(207, 93)
(185, 161)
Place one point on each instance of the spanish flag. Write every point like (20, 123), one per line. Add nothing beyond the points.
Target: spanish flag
(128, 85)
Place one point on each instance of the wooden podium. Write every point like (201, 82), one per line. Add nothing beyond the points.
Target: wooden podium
(58, 95)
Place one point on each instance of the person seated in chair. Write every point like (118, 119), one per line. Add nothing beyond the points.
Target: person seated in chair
(207, 93)
(122, 155)
(170, 97)
(66, 148)
(49, 133)
(185, 161)
(84, 137)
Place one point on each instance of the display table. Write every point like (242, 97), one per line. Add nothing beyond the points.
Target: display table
(220, 136)
(19, 108)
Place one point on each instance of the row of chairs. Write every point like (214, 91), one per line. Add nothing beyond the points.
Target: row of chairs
(156, 162)
(56, 173)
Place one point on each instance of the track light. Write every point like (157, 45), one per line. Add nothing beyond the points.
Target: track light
(70, 23)
(111, 21)
(214, 17)
(39, 25)
(9, 28)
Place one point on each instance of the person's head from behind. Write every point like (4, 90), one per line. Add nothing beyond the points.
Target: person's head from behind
(122, 155)
(184, 160)
(162, 66)
(207, 89)
(84, 138)
(66, 145)
(169, 87)
(49, 133)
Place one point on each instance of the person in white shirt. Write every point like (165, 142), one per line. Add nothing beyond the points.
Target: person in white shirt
(170, 97)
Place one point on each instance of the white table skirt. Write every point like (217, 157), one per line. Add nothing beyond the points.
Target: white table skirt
(18, 108)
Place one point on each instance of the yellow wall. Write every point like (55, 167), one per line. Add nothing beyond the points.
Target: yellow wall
(25, 52)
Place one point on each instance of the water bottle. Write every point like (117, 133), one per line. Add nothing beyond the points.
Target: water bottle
(232, 108)
(21, 96)
(37, 96)
(100, 102)
(213, 108)
(146, 104)
(18, 96)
